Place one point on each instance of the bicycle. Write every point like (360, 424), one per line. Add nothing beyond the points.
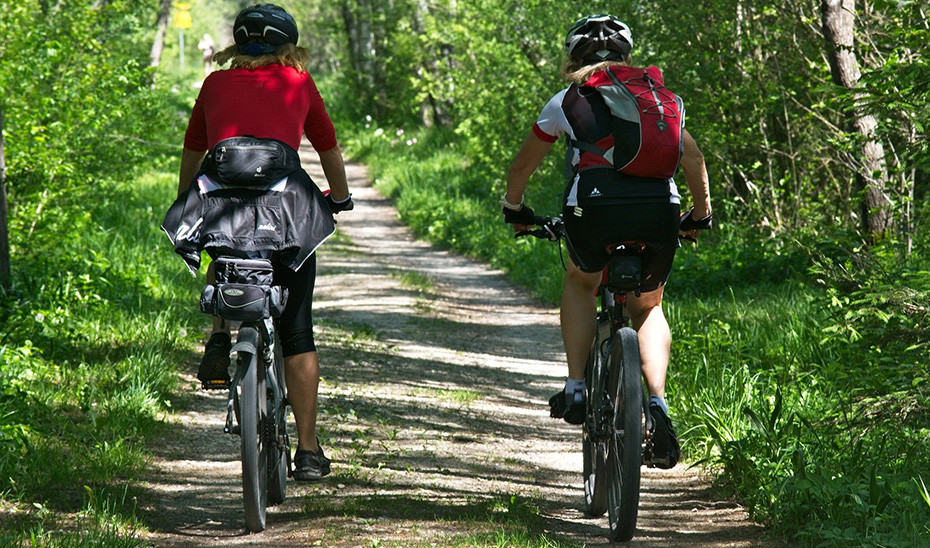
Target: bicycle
(256, 409)
(616, 439)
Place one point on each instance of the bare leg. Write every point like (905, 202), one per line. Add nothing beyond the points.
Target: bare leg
(302, 375)
(655, 338)
(577, 317)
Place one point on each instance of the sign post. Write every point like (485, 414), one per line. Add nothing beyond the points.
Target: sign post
(182, 21)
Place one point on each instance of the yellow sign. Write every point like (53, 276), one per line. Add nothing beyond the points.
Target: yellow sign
(182, 17)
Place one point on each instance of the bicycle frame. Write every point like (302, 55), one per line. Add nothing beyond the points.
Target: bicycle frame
(616, 439)
(612, 310)
(256, 405)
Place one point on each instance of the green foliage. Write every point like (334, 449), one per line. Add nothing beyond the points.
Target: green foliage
(78, 98)
(86, 338)
(761, 102)
(89, 339)
(79, 106)
(87, 326)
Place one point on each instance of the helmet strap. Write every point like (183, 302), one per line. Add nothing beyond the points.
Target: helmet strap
(256, 48)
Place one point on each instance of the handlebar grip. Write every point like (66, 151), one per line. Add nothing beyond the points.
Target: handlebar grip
(539, 220)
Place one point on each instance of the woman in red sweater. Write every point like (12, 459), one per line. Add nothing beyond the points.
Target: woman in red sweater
(267, 93)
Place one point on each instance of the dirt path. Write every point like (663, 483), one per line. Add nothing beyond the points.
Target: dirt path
(433, 408)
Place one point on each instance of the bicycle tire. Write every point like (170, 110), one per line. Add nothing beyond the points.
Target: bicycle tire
(253, 409)
(278, 457)
(624, 453)
(594, 451)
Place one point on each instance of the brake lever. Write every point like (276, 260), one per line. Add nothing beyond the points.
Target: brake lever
(550, 234)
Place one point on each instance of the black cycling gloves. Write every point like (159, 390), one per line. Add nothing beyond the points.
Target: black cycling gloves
(687, 223)
(522, 216)
(344, 205)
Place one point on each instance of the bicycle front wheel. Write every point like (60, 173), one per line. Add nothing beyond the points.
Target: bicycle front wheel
(624, 452)
(252, 414)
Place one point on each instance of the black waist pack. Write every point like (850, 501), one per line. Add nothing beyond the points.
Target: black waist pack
(250, 161)
(243, 291)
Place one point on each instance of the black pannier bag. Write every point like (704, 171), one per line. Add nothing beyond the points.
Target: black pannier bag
(243, 291)
(250, 161)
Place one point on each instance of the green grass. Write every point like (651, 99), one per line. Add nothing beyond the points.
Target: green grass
(100, 317)
(415, 280)
(463, 398)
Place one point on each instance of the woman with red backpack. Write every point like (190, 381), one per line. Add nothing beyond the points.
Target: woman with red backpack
(620, 162)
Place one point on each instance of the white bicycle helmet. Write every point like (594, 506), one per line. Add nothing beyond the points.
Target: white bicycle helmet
(597, 38)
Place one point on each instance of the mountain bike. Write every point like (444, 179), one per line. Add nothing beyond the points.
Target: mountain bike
(257, 403)
(616, 438)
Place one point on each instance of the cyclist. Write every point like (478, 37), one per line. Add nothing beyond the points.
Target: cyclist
(268, 93)
(604, 206)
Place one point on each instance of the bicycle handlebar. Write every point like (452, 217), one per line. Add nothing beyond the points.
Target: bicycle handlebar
(550, 228)
(553, 229)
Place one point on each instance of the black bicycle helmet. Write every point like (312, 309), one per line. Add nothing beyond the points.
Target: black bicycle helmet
(263, 28)
(597, 38)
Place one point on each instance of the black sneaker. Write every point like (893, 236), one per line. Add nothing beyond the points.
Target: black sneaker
(310, 466)
(560, 408)
(665, 448)
(214, 367)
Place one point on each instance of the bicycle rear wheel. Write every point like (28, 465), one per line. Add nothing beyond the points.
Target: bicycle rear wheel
(593, 447)
(624, 452)
(252, 414)
(278, 457)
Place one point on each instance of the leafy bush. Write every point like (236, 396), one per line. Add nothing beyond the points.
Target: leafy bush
(89, 334)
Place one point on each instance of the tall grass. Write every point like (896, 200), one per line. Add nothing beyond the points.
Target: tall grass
(96, 326)
(804, 387)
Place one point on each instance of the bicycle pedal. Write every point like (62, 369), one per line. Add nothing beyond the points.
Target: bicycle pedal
(217, 384)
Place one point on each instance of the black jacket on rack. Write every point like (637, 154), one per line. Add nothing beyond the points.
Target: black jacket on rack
(289, 218)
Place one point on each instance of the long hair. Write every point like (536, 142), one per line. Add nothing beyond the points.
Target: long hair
(579, 73)
(287, 55)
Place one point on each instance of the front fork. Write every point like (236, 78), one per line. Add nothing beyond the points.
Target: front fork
(278, 435)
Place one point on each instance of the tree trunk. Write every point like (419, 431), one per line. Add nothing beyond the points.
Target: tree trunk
(164, 12)
(4, 230)
(838, 29)
(434, 110)
(357, 17)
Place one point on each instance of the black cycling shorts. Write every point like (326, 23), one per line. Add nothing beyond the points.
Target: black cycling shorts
(654, 224)
(295, 326)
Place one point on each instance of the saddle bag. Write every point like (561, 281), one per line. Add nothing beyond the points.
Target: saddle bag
(243, 291)
(250, 162)
(624, 273)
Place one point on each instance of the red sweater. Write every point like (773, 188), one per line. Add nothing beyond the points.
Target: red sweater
(271, 101)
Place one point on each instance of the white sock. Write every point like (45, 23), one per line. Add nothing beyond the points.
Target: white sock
(660, 401)
(574, 389)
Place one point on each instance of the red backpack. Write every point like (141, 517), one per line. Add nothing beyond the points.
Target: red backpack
(640, 103)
